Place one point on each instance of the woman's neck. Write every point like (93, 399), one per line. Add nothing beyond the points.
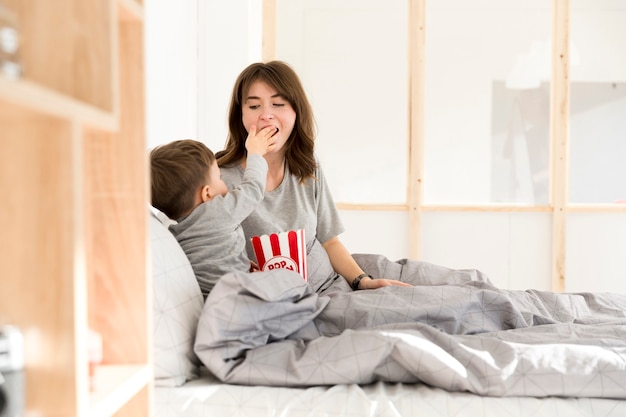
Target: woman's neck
(275, 171)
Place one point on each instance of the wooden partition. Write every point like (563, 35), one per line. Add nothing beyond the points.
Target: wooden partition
(74, 176)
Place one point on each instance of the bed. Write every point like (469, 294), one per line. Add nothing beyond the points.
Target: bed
(454, 345)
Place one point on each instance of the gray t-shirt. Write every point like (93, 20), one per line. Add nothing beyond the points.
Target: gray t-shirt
(292, 206)
(212, 237)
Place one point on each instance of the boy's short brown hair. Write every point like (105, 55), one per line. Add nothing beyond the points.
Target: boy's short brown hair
(177, 170)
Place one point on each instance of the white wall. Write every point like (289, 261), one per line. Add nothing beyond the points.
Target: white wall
(352, 58)
(171, 44)
(194, 51)
(229, 40)
(513, 249)
(382, 232)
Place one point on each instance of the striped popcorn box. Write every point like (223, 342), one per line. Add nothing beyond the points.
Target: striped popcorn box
(281, 250)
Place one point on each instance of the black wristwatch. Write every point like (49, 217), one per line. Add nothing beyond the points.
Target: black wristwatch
(357, 281)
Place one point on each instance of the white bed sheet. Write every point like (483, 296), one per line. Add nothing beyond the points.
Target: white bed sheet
(206, 396)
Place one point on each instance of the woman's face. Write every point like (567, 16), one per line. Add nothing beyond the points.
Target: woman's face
(262, 107)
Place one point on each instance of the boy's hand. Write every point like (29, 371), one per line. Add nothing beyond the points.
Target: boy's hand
(262, 141)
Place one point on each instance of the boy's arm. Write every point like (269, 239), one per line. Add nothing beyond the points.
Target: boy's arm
(242, 200)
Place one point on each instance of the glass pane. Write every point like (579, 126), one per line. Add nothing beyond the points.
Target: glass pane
(598, 102)
(487, 101)
(352, 58)
(514, 251)
(595, 252)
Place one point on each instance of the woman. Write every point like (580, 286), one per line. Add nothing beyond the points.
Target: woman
(296, 194)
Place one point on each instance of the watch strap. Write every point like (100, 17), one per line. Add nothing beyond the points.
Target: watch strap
(356, 281)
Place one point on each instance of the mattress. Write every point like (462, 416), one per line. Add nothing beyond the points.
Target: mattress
(206, 396)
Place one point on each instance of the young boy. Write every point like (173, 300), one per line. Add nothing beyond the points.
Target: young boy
(187, 187)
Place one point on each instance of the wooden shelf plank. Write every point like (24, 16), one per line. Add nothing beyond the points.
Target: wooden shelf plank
(115, 385)
(43, 100)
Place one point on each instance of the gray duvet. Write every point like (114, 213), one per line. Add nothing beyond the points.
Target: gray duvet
(453, 330)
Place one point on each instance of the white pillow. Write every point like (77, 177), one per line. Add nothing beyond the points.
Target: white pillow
(177, 305)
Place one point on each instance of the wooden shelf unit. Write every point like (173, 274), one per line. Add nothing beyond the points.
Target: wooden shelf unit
(74, 177)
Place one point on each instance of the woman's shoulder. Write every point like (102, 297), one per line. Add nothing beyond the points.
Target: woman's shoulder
(231, 170)
(318, 165)
(231, 174)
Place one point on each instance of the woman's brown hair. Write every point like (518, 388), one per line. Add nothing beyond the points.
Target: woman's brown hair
(299, 148)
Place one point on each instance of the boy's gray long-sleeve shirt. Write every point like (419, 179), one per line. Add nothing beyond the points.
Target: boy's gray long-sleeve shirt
(212, 237)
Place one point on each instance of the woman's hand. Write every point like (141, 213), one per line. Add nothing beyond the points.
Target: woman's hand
(345, 265)
(370, 284)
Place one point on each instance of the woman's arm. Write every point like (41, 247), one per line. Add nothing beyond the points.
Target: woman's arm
(345, 265)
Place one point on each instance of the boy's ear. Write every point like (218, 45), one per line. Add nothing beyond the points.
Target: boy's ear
(205, 193)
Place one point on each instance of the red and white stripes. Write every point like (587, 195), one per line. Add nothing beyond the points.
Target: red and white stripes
(281, 250)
